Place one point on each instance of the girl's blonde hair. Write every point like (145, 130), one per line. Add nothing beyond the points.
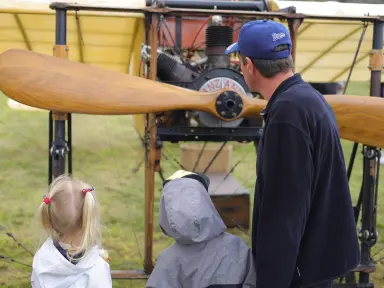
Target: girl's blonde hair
(71, 207)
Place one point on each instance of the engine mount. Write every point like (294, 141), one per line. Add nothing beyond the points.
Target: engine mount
(215, 73)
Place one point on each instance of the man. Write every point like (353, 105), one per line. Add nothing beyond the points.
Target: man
(304, 232)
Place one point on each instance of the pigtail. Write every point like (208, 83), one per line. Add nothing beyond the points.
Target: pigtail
(44, 222)
(44, 219)
(90, 222)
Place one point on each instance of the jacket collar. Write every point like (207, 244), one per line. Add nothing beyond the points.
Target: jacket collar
(296, 78)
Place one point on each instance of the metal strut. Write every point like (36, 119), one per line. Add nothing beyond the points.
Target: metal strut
(59, 146)
(368, 235)
(58, 150)
(367, 201)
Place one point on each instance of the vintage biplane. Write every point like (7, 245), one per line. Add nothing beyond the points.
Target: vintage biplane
(193, 92)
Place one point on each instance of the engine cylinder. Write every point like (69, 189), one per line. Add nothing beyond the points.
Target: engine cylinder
(169, 69)
(217, 39)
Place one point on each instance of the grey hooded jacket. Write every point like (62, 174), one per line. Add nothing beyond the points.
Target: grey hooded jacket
(203, 255)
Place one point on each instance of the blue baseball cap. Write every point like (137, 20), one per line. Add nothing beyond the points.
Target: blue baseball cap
(259, 39)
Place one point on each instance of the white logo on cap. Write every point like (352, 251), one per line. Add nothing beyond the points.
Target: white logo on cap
(277, 36)
(230, 47)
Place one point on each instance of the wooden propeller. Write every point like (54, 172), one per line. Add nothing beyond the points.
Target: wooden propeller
(60, 85)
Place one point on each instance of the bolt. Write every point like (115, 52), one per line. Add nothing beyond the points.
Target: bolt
(222, 113)
(233, 114)
(240, 105)
(218, 102)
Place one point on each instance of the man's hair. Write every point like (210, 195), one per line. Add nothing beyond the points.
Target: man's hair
(269, 68)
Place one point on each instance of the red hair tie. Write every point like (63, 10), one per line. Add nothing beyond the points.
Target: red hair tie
(47, 200)
(85, 191)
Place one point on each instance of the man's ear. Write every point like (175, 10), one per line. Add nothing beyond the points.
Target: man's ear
(250, 66)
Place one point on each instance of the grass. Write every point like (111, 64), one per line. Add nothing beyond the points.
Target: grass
(105, 149)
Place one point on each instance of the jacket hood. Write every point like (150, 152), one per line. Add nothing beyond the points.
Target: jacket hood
(187, 213)
(51, 268)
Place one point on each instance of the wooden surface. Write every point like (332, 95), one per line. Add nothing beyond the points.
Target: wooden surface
(190, 153)
(150, 157)
(60, 51)
(56, 84)
(225, 187)
(360, 118)
(51, 83)
(128, 274)
(231, 200)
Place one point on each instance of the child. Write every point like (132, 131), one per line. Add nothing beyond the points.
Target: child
(204, 255)
(70, 257)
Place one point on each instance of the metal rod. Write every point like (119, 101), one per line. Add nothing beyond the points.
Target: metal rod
(59, 145)
(214, 157)
(352, 160)
(59, 149)
(368, 235)
(351, 277)
(199, 156)
(355, 57)
(178, 35)
(69, 139)
(377, 45)
(61, 27)
(50, 140)
(206, 4)
(367, 213)
(61, 39)
(204, 12)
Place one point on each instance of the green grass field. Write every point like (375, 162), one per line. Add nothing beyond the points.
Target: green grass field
(105, 149)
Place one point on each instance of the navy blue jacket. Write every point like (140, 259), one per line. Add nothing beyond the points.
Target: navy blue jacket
(303, 220)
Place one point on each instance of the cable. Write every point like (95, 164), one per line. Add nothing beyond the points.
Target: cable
(266, 5)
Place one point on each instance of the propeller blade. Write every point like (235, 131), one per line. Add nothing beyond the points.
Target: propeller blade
(60, 85)
(359, 118)
(57, 84)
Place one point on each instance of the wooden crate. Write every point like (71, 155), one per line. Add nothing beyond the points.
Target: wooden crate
(231, 200)
(190, 153)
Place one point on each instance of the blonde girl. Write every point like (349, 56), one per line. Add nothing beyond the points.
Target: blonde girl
(71, 255)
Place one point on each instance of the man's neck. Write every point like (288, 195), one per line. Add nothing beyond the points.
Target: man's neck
(271, 84)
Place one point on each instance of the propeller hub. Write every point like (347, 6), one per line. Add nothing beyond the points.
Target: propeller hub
(229, 104)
